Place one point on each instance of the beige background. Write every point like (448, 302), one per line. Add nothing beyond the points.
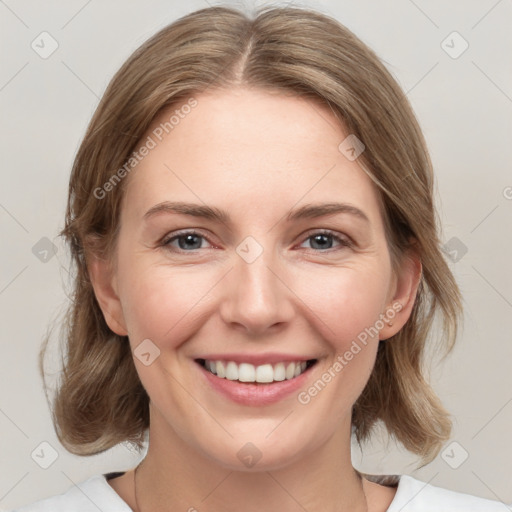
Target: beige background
(465, 108)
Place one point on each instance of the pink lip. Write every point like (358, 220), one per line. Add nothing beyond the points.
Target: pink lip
(256, 359)
(252, 393)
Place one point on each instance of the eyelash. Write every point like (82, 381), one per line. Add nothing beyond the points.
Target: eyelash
(344, 242)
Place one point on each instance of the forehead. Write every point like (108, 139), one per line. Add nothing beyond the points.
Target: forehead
(247, 148)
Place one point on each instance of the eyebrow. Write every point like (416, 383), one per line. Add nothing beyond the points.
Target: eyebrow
(309, 211)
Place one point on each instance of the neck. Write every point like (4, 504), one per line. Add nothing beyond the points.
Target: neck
(174, 476)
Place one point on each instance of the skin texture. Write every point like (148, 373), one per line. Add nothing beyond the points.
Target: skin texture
(257, 155)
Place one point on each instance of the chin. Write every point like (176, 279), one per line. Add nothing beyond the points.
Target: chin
(255, 453)
(253, 459)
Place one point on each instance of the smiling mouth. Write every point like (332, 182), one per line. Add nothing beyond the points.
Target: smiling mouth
(262, 374)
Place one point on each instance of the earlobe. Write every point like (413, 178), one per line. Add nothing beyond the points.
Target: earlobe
(404, 298)
(104, 284)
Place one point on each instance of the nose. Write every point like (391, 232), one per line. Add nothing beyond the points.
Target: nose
(257, 298)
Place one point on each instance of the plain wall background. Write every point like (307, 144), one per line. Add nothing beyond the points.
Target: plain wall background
(464, 106)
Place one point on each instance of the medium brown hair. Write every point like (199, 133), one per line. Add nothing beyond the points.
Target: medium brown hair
(100, 400)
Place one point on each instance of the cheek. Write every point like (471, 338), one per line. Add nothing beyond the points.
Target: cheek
(346, 315)
(160, 302)
(346, 301)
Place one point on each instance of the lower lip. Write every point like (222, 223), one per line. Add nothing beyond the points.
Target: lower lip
(252, 393)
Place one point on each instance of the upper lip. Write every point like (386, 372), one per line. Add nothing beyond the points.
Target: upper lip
(257, 359)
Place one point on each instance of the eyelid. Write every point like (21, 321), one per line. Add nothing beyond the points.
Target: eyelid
(343, 239)
(176, 234)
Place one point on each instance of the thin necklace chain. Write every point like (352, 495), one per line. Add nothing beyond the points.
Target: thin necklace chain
(140, 510)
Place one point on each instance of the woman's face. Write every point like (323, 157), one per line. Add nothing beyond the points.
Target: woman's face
(267, 284)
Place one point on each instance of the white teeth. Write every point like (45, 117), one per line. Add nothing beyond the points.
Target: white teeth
(265, 373)
(279, 372)
(221, 369)
(211, 366)
(246, 373)
(232, 371)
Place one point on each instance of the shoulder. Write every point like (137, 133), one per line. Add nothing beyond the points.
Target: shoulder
(89, 496)
(413, 495)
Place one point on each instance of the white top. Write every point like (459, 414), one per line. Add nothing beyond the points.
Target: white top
(412, 496)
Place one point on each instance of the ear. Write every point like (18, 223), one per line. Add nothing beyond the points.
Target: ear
(103, 281)
(400, 307)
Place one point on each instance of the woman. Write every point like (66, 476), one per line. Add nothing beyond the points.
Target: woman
(258, 269)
